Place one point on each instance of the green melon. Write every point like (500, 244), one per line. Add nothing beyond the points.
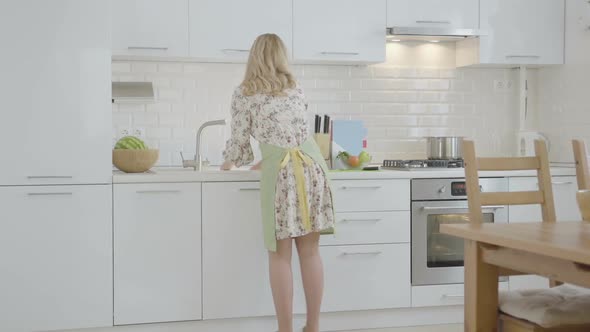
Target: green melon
(130, 143)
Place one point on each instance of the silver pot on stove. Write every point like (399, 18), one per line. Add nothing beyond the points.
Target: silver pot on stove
(444, 148)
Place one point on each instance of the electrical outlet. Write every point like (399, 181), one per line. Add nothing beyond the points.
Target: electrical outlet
(503, 85)
(139, 133)
(508, 85)
(499, 85)
(124, 132)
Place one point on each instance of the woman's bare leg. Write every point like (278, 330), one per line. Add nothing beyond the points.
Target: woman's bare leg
(281, 282)
(312, 272)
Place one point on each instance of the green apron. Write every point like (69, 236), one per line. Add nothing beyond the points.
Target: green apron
(273, 159)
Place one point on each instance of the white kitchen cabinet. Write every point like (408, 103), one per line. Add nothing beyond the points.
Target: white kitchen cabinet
(370, 228)
(566, 209)
(157, 253)
(56, 254)
(564, 196)
(365, 277)
(150, 27)
(235, 262)
(55, 89)
(339, 31)
(225, 30)
(443, 295)
(516, 36)
(458, 14)
(371, 195)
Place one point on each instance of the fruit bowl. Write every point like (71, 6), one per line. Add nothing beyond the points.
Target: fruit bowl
(348, 162)
(135, 161)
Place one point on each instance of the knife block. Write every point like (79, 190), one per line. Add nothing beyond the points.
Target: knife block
(323, 141)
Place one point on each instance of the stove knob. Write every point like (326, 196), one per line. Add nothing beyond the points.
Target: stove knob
(442, 190)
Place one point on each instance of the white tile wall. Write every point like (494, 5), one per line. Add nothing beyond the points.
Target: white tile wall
(416, 93)
(563, 94)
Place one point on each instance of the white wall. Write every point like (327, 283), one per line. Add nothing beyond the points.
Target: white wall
(416, 93)
(563, 93)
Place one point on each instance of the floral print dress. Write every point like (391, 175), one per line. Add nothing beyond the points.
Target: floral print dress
(281, 121)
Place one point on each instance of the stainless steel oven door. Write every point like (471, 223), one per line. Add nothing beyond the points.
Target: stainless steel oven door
(438, 258)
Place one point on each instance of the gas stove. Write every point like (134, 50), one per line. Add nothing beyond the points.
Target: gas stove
(426, 164)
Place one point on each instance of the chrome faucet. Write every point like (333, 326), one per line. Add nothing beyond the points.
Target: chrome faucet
(197, 163)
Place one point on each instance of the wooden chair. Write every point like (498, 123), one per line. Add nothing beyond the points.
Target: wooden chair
(584, 204)
(581, 159)
(543, 197)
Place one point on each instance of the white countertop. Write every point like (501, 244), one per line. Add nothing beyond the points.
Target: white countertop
(173, 174)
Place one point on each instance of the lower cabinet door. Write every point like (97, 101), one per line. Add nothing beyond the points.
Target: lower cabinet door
(366, 277)
(443, 295)
(157, 236)
(55, 258)
(235, 261)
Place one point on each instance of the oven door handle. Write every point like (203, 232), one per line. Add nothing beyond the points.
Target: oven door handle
(433, 208)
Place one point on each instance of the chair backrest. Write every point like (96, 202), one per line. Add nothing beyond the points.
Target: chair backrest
(582, 170)
(477, 199)
(584, 203)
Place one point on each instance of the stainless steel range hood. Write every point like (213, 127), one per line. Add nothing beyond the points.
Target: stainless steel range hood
(133, 92)
(432, 34)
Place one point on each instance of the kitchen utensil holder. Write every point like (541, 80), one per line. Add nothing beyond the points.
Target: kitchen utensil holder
(323, 141)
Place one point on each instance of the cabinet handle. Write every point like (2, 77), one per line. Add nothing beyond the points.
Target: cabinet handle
(361, 253)
(452, 296)
(37, 177)
(158, 191)
(51, 194)
(523, 56)
(434, 208)
(360, 187)
(433, 22)
(235, 50)
(339, 53)
(559, 183)
(152, 48)
(360, 220)
(249, 189)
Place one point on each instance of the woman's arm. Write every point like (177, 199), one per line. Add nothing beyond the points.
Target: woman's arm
(238, 150)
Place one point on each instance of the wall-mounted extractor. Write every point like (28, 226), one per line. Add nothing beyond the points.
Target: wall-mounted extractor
(133, 92)
(430, 34)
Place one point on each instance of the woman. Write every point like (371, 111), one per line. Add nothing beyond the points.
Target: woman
(295, 194)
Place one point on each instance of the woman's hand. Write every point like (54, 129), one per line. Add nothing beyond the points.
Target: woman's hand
(227, 165)
(256, 167)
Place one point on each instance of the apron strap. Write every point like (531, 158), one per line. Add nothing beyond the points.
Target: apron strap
(299, 159)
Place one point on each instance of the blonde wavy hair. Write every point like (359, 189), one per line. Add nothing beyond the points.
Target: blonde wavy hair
(268, 71)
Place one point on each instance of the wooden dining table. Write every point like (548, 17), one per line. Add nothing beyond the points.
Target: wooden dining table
(559, 251)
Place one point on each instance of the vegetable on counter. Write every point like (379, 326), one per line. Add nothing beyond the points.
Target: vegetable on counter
(130, 143)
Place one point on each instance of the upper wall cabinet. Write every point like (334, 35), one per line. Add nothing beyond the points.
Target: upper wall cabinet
(224, 30)
(516, 36)
(150, 27)
(339, 31)
(459, 14)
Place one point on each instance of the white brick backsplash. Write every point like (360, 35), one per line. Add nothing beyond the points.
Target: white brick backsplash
(145, 119)
(121, 120)
(121, 67)
(174, 120)
(327, 71)
(399, 104)
(129, 78)
(131, 108)
(144, 67)
(170, 68)
(158, 133)
(158, 107)
(169, 94)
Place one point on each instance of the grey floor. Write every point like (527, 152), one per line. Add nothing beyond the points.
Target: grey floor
(432, 328)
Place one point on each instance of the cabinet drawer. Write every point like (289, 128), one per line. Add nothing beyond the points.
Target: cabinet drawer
(441, 295)
(370, 228)
(366, 277)
(371, 195)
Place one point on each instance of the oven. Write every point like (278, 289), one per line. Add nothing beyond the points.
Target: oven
(438, 258)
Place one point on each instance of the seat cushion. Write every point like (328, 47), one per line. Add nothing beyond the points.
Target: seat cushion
(557, 306)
